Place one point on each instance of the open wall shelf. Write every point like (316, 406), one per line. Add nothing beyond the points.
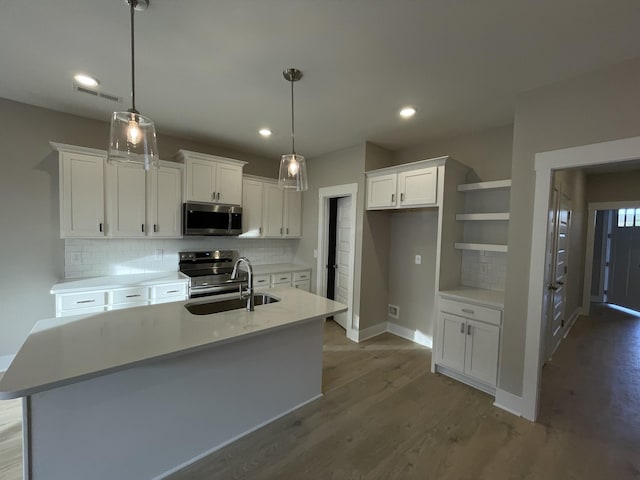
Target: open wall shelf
(494, 185)
(482, 216)
(487, 247)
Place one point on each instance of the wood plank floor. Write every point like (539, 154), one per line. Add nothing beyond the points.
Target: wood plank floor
(385, 416)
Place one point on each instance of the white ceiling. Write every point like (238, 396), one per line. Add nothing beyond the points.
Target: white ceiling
(211, 70)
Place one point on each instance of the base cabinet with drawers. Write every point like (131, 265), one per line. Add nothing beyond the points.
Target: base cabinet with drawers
(118, 298)
(468, 342)
(296, 278)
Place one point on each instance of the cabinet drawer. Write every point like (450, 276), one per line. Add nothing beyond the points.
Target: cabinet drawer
(170, 290)
(129, 295)
(298, 276)
(468, 310)
(281, 279)
(81, 311)
(303, 285)
(261, 281)
(122, 306)
(83, 300)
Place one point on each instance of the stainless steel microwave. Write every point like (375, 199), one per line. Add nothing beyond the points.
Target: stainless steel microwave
(211, 219)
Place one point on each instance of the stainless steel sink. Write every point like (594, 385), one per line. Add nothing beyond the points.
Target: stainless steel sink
(207, 308)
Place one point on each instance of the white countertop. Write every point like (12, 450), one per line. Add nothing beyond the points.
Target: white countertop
(492, 298)
(60, 351)
(278, 268)
(117, 281)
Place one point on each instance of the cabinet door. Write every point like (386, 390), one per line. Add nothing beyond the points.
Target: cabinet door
(481, 358)
(200, 180)
(126, 200)
(303, 285)
(252, 208)
(418, 187)
(292, 213)
(229, 182)
(451, 341)
(272, 208)
(81, 196)
(381, 191)
(164, 209)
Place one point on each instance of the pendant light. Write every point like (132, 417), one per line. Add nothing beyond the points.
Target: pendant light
(133, 136)
(293, 168)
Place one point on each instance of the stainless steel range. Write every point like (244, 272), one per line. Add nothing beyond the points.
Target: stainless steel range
(210, 272)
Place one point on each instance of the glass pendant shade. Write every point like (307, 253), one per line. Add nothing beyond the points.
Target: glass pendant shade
(293, 172)
(133, 140)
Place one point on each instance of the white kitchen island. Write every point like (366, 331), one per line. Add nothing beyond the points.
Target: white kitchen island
(139, 393)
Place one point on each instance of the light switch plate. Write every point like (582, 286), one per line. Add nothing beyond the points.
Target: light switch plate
(418, 259)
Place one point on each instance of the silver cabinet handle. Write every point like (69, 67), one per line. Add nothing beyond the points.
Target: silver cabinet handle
(280, 230)
(172, 291)
(468, 329)
(468, 310)
(218, 196)
(85, 301)
(260, 230)
(462, 328)
(213, 196)
(133, 296)
(155, 227)
(287, 230)
(143, 228)
(101, 228)
(393, 197)
(401, 197)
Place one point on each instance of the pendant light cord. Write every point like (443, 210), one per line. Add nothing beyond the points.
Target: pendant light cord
(293, 137)
(132, 4)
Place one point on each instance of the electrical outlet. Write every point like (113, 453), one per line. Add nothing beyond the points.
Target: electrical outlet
(393, 311)
(315, 253)
(159, 254)
(418, 259)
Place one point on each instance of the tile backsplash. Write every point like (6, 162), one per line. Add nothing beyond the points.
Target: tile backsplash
(482, 269)
(95, 258)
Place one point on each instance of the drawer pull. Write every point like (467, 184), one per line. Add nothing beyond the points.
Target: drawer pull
(133, 296)
(468, 329)
(462, 328)
(283, 278)
(468, 310)
(85, 301)
(172, 291)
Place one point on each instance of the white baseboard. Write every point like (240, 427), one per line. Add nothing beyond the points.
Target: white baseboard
(508, 402)
(5, 361)
(218, 447)
(415, 336)
(371, 332)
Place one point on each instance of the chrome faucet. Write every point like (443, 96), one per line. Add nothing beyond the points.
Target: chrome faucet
(248, 293)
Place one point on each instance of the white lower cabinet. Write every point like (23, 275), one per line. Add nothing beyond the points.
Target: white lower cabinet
(118, 298)
(468, 346)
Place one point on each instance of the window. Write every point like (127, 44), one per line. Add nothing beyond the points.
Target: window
(629, 217)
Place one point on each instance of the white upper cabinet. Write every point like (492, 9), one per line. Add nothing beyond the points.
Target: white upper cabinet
(81, 192)
(411, 185)
(382, 190)
(164, 201)
(269, 211)
(211, 179)
(292, 214)
(418, 187)
(126, 200)
(252, 207)
(122, 200)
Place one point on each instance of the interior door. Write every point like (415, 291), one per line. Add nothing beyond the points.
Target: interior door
(560, 215)
(624, 282)
(344, 256)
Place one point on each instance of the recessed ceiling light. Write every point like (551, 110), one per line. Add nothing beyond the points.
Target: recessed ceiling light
(86, 80)
(407, 112)
(265, 132)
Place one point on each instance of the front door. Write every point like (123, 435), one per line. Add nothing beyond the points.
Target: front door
(624, 282)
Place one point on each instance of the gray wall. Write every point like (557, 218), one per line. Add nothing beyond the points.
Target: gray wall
(337, 168)
(411, 286)
(621, 186)
(487, 152)
(31, 252)
(595, 107)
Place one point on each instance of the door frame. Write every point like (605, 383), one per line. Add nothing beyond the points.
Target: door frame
(588, 260)
(324, 194)
(616, 151)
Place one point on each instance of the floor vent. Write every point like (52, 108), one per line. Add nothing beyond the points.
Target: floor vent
(95, 93)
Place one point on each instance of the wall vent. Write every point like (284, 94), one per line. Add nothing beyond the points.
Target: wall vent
(393, 311)
(95, 93)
